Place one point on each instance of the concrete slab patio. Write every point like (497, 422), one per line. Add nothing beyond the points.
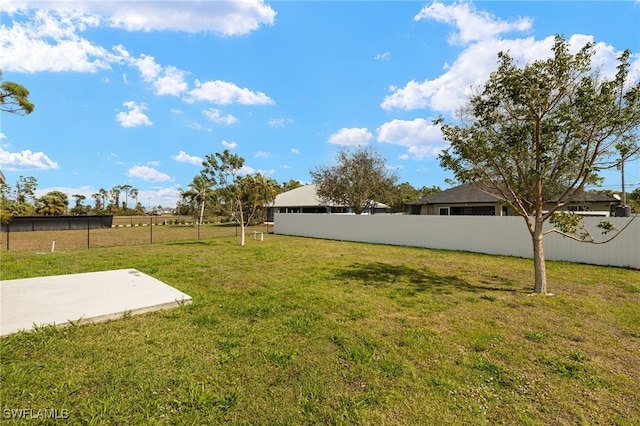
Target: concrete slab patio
(88, 297)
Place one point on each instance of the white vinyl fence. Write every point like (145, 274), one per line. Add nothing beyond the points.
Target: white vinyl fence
(482, 234)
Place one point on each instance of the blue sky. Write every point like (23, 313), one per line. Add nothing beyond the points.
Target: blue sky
(139, 92)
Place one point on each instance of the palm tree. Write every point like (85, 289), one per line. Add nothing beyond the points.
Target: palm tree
(133, 192)
(115, 196)
(125, 189)
(105, 196)
(78, 208)
(198, 190)
(98, 200)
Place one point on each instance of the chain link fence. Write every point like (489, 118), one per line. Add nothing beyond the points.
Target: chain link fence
(134, 230)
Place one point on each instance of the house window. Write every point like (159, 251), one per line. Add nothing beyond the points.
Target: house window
(473, 211)
(444, 211)
(578, 208)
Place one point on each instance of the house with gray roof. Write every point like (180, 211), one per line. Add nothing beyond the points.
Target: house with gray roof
(476, 199)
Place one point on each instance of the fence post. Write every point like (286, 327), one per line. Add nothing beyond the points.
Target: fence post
(88, 222)
(8, 235)
(151, 229)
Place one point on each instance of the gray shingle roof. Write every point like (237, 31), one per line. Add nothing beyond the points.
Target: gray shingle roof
(471, 193)
(465, 193)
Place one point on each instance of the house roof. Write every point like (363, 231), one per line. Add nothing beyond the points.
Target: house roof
(306, 196)
(303, 196)
(475, 193)
(465, 193)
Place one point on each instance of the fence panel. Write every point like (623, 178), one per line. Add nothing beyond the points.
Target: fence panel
(482, 234)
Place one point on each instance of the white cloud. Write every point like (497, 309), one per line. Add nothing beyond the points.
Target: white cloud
(229, 145)
(49, 42)
(246, 170)
(278, 122)
(2, 136)
(25, 160)
(147, 66)
(134, 117)
(171, 83)
(351, 137)
(221, 17)
(471, 69)
(163, 196)
(47, 35)
(471, 24)
(183, 157)
(216, 116)
(295, 151)
(199, 127)
(383, 56)
(422, 138)
(227, 18)
(224, 93)
(261, 154)
(148, 174)
(480, 31)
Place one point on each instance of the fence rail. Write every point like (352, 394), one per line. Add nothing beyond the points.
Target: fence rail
(120, 235)
(482, 234)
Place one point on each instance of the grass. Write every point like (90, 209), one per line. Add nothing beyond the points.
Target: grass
(302, 331)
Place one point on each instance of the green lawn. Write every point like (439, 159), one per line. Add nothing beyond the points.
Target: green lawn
(304, 331)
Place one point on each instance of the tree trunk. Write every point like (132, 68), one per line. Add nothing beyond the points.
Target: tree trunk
(201, 213)
(241, 225)
(538, 260)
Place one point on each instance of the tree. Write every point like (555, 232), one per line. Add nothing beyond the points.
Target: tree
(52, 203)
(290, 184)
(629, 150)
(14, 98)
(538, 134)
(199, 190)
(104, 195)
(133, 193)
(115, 197)
(79, 209)
(241, 194)
(257, 192)
(125, 190)
(20, 200)
(98, 201)
(634, 200)
(356, 181)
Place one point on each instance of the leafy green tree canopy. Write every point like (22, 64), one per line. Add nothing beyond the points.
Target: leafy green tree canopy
(244, 195)
(14, 98)
(539, 133)
(358, 180)
(52, 203)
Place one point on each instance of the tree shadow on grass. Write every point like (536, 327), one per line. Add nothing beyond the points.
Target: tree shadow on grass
(423, 279)
(191, 243)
